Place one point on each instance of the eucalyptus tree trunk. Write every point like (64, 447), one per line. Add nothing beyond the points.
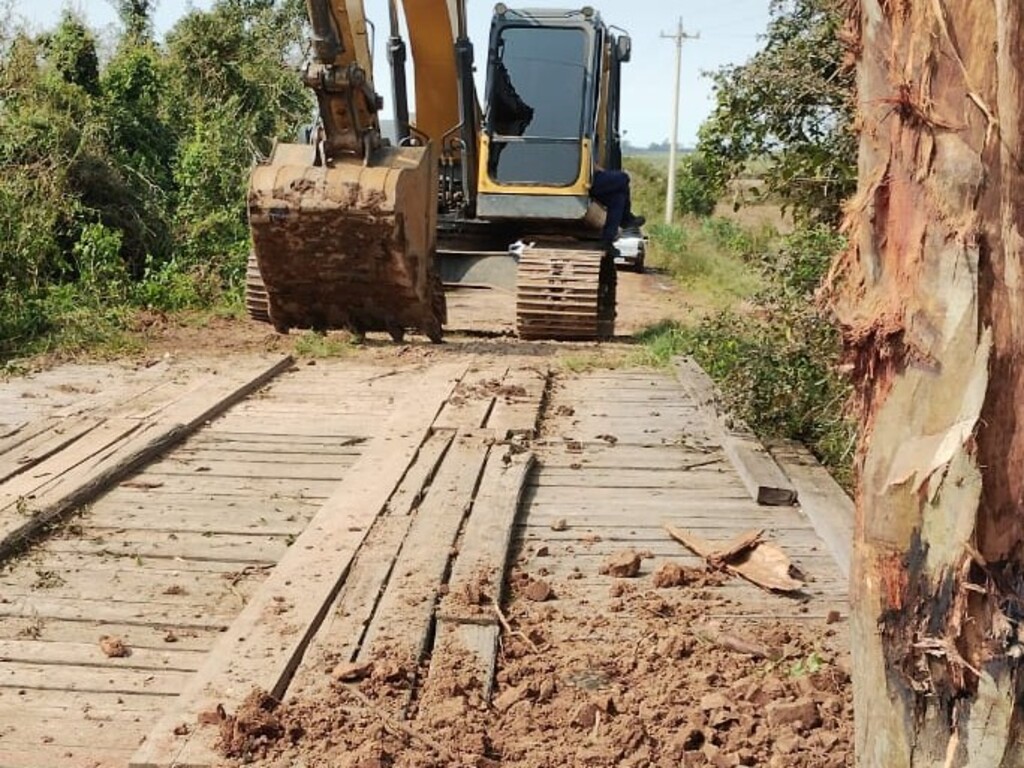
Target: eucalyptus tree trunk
(931, 300)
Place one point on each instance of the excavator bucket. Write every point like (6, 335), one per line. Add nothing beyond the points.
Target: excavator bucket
(348, 245)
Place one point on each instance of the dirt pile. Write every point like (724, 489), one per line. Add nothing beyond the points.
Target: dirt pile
(648, 686)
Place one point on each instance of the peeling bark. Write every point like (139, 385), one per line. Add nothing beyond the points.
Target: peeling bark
(930, 297)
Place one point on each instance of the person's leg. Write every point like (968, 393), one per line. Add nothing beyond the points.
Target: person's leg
(611, 189)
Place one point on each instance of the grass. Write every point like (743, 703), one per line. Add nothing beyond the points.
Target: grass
(321, 346)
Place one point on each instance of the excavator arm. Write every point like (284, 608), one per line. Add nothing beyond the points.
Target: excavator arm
(340, 75)
(344, 229)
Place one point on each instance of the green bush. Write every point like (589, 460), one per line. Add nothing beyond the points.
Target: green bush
(697, 189)
(123, 180)
(777, 361)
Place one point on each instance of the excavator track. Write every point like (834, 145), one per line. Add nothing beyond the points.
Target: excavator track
(256, 302)
(565, 294)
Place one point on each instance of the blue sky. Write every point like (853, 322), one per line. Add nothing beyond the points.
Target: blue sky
(728, 28)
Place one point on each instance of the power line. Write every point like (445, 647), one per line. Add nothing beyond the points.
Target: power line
(680, 37)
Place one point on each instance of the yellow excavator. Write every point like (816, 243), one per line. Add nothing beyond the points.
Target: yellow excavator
(352, 231)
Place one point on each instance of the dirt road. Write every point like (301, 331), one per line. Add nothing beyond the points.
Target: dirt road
(430, 556)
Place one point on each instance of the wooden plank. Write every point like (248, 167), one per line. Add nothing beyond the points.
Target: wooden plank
(51, 755)
(248, 549)
(39, 441)
(83, 705)
(822, 500)
(26, 728)
(486, 541)
(189, 590)
(516, 410)
(468, 632)
(470, 405)
(150, 636)
(265, 643)
(462, 648)
(88, 480)
(129, 613)
(403, 621)
(228, 467)
(48, 677)
(764, 479)
(90, 655)
(28, 486)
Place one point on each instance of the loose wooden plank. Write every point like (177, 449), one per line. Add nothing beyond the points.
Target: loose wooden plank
(486, 542)
(86, 481)
(404, 618)
(467, 632)
(341, 633)
(764, 479)
(266, 641)
(826, 504)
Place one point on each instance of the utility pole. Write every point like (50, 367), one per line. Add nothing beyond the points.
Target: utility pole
(680, 37)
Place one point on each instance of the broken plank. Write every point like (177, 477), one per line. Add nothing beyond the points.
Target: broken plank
(517, 406)
(86, 481)
(484, 549)
(765, 481)
(467, 631)
(265, 644)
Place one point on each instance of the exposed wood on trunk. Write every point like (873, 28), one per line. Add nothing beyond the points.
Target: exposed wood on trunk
(930, 302)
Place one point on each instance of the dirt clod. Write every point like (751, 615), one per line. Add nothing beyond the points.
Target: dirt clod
(670, 575)
(114, 647)
(622, 565)
(351, 672)
(538, 591)
(560, 525)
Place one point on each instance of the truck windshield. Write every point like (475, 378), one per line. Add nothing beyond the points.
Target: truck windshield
(535, 112)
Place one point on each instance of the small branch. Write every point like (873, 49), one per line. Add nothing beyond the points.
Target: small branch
(396, 727)
(512, 632)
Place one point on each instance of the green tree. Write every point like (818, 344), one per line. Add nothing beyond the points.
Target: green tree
(790, 107)
(698, 188)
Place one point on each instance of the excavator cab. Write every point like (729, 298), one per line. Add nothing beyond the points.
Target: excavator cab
(549, 74)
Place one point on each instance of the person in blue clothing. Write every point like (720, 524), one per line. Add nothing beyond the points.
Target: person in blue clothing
(611, 189)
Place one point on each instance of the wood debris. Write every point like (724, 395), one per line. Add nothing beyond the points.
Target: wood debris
(747, 555)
